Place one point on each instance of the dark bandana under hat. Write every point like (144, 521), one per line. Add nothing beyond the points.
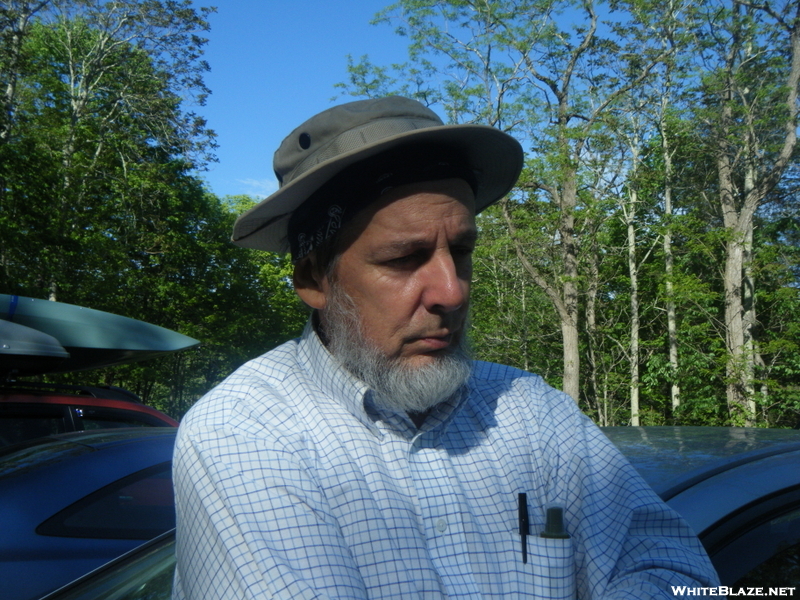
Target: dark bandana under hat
(333, 205)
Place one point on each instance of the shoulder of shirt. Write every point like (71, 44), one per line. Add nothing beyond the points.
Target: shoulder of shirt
(521, 388)
(254, 392)
(487, 371)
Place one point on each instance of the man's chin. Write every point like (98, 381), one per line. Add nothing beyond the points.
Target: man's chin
(417, 383)
(423, 359)
(413, 381)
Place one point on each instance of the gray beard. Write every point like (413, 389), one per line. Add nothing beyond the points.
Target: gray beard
(395, 386)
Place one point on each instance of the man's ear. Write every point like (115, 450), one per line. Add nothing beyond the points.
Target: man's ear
(310, 283)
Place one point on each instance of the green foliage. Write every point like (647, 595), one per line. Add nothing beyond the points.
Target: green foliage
(237, 302)
(600, 94)
(98, 203)
(512, 322)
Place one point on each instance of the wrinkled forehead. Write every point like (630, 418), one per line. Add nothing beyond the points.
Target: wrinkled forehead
(361, 186)
(412, 211)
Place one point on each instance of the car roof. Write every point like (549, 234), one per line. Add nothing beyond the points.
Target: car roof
(31, 390)
(82, 442)
(76, 463)
(673, 459)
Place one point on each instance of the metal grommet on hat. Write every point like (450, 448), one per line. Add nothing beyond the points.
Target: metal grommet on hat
(350, 133)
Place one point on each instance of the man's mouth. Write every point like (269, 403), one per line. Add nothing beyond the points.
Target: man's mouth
(435, 342)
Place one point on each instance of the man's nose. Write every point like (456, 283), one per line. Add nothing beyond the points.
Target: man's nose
(446, 284)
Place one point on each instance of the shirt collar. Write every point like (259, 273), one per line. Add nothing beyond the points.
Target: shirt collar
(436, 422)
(334, 380)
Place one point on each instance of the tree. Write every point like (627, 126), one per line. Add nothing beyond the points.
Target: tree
(751, 53)
(523, 67)
(99, 203)
(101, 95)
(238, 302)
(512, 322)
(669, 23)
(16, 18)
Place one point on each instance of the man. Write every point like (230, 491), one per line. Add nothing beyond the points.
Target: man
(371, 458)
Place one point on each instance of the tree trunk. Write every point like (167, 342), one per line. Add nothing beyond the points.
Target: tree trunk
(633, 273)
(593, 391)
(669, 266)
(569, 321)
(749, 307)
(736, 370)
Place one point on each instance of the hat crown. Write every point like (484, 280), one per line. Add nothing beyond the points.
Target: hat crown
(347, 128)
(346, 135)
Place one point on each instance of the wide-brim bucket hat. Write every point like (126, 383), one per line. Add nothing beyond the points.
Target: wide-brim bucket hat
(349, 133)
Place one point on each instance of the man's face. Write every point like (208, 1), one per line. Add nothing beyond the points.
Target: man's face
(407, 268)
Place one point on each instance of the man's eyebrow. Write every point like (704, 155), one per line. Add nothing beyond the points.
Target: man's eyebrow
(469, 237)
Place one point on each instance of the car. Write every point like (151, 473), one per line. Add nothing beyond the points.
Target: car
(30, 410)
(70, 503)
(40, 337)
(739, 488)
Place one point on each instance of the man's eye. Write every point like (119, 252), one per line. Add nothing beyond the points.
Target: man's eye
(400, 261)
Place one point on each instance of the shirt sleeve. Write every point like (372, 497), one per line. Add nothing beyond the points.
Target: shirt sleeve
(252, 524)
(629, 543)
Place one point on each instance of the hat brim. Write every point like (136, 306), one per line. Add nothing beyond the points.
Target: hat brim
(495, 156)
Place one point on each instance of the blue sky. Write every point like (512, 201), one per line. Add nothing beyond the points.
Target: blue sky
(274, 64)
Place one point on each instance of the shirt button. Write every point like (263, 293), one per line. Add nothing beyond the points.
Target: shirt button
(441, 525)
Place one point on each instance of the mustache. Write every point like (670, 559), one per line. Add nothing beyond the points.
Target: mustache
(341, 308)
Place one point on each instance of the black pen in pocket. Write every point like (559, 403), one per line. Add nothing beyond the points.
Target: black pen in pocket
(524, 527)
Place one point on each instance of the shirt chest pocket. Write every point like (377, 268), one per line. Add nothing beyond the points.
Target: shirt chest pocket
(551, 563)
(547, 574)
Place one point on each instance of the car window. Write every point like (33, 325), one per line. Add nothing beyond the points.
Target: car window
(109, 418)
(760, 546)
(137, 507)
(21, 421)
(145, 574)
(781, 570)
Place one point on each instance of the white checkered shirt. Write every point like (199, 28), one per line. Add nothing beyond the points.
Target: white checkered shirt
(289, 485)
